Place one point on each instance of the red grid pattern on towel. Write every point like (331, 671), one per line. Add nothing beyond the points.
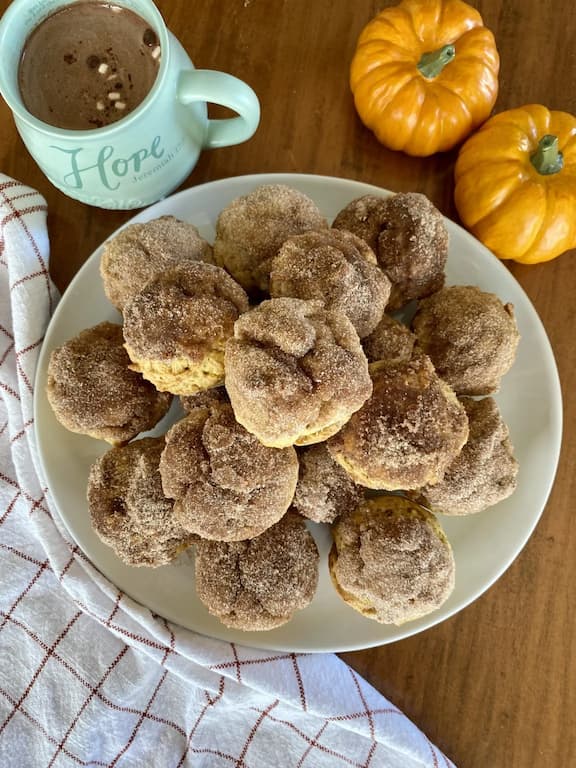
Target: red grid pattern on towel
(84, 685)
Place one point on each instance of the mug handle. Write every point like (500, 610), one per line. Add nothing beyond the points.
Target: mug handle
(220, 88)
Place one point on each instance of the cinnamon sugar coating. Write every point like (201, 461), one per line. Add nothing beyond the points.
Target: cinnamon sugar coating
(251, 229)
(408, 235)
(128, 509)
(227, 485)
(142, 251)
(324, 490)
(407, 433)
(391, 560)
(337, 268)
(176, 328)
(295, 372)
(259, 584)
(484, 473)
(471, 337)
(391, 340)
(92, 390)
(365, 217)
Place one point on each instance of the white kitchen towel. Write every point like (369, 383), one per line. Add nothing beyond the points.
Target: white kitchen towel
(88, 677)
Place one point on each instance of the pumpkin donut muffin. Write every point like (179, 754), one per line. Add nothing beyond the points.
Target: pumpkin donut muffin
(227, 485)
(92, 390)
(470, 336)
(337, 268)
(391, 341)
(251, 229)
(391, 560)
(407, 433)
(408, 235)
(324, 490)
(141, 251)
(259, 584)
(176, 328)
(128, 508)
(295, 372)
(484, 472)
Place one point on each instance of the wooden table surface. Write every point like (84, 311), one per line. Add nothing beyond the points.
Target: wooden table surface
(494, 686)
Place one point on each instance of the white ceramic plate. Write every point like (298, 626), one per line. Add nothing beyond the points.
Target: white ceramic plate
(484, 544)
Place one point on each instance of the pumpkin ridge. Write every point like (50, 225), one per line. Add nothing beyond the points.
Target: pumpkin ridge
(451, 92)
(381, 94)
(383, 66)
(466, 18)
(407, 79)
(514, 119)
(483, 33)
(413, 25)
(543, 224)
(468, 72)
(390, 36)
(387, 47)
(429, 103)
(486, 222)
(497, 187)
(390, 17)
(472, 155)
(568, 240)
(476, 109)
(408, 134)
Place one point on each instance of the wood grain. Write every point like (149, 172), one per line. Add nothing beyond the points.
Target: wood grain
(493, 686)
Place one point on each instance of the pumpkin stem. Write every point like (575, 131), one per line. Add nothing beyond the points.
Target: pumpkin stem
(547, 159)
(433, 62)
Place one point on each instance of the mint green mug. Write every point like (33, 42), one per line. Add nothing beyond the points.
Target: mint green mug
(146, 155)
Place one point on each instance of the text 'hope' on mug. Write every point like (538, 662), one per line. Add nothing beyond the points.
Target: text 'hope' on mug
(100, 134)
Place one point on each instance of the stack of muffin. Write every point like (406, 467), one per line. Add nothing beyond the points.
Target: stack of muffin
(300, 391)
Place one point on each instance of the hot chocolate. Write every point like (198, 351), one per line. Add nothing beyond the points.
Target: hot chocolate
(88, 65)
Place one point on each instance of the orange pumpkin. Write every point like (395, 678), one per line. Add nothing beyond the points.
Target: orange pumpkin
(516, 184)
(424, 75)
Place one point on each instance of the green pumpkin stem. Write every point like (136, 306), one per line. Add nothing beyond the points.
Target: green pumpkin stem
(432, 63)
(547, 159)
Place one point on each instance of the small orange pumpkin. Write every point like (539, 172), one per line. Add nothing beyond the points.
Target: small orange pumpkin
(516, 184)
(424, 75)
